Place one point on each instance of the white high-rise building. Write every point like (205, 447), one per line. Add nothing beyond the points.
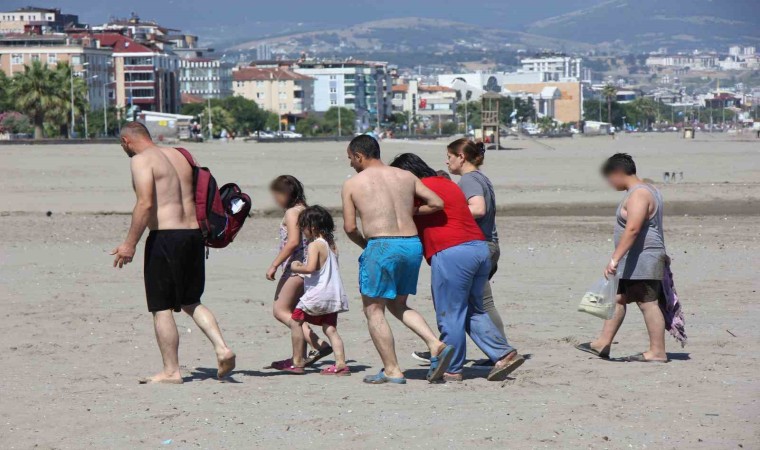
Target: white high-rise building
(553, 68)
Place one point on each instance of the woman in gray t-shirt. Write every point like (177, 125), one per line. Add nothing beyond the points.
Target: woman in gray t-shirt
(464, 158)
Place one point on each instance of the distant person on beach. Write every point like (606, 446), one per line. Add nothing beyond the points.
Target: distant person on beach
(464, 157)
(460, 263)
(639, 259)
(324, 296)
(288, 193)
(384, 198)
(174, 252)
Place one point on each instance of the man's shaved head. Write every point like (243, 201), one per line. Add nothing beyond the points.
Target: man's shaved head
(136, 130)
(134, 137)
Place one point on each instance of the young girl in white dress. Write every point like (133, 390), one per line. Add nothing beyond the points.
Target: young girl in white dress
(324, 296)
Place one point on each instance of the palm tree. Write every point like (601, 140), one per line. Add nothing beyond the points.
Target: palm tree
(609, 91)
(34, 91)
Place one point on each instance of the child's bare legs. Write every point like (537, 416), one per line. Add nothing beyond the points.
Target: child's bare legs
(299, 342)
(313, 339)
(289, 291)
(337, 344)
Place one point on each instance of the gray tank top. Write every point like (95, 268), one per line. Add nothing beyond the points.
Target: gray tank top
(646, 258)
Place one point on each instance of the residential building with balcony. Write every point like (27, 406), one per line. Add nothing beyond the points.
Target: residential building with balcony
(89, 60)
(144, 74)
(364, 86)
(205, 77)
(275, 89)
(554, 67)
(426, 101)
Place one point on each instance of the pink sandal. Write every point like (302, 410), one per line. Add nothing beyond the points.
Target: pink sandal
(293, 370)
(332, 370)
(280, 365)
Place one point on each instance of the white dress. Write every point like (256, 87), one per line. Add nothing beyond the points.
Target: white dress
(323, 290)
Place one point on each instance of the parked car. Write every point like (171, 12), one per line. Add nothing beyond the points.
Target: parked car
(265, 135)
(291, 135)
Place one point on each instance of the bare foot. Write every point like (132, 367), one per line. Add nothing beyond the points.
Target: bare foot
(650, 356)
(226, 364)
(441, 347)
(162, 378)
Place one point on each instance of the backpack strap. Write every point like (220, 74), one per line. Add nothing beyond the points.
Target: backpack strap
(187, 156)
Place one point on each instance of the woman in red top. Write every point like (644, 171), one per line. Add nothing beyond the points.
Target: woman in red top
(460, 263)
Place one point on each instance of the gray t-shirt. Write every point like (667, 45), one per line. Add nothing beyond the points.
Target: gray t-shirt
(475, 184)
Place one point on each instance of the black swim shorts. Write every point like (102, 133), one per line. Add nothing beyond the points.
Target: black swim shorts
(175, 269)
(641, 291)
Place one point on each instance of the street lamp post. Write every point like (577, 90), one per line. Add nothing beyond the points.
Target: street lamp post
(71, 92)
(105, 108)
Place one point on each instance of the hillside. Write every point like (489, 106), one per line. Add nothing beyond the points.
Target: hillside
(409, 34)
(649, 24)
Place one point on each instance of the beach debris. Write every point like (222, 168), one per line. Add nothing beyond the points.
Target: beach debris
(49, 213)
(729, 332)
(167, 442)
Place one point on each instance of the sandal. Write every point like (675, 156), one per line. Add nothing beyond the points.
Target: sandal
(452, 378)
(380, 378)
(294, 370)
(316, 355)
(586, 347)
(280, 365)
(500, 373)
(333, 370)
(439, 364)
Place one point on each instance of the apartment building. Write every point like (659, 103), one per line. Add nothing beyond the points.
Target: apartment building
(426, 101)
(205, 77)
(144, 74)
(364, 86)
(45, 20)
(89, 60)
(554, 67)
(275, 89)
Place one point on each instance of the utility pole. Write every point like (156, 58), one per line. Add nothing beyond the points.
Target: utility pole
(71, 92)
(210, 129)
(339, 125)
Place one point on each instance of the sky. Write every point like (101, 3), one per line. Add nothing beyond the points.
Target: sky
(195, 15)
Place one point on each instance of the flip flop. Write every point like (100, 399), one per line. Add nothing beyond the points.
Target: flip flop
(639, 357)
(586, 347)
(501, 373)
(332, 370)
(380, 378)
(316, 355)
(439, 364)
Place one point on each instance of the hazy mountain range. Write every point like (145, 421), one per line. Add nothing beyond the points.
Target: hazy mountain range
(394, 24)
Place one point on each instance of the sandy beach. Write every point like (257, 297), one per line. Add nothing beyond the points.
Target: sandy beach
(76, 333)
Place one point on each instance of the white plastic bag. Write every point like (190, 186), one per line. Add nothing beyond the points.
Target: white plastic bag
(599, 299)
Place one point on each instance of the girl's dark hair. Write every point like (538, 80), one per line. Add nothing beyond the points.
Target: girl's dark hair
(290, 186)
(474, 152)
(318, 221)
(413, 163)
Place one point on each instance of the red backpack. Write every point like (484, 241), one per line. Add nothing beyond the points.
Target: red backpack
(220, 212)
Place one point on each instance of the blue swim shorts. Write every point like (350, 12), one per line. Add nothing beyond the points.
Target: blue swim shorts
(390, 266)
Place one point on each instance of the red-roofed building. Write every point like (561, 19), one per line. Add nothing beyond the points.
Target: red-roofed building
(275, 89)
(144, 74)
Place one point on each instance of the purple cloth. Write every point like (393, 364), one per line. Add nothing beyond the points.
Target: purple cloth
(671, 309)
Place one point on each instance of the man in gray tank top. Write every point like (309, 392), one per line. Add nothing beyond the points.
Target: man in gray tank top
(639, 259)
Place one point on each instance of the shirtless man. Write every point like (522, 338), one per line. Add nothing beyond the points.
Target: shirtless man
(384, 199)
(174, 252)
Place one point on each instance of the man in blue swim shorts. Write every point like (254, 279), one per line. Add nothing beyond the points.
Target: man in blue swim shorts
(384, 198)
